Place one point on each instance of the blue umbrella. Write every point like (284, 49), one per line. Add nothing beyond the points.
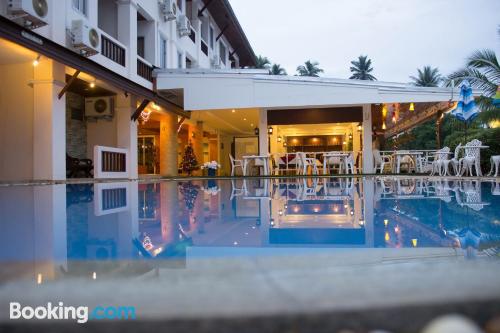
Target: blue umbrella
(466, 109)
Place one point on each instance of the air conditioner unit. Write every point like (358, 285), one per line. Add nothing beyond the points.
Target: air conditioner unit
(168, 9)
(183, 25)
(31, 14)
(99, 107)
(86, 39)
(216, 61)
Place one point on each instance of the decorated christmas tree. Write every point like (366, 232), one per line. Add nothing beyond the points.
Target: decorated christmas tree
(189, 162)
(189, 192)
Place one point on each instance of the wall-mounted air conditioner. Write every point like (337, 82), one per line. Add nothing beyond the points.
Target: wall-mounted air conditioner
(183, 25)
(86, 39)
(99, 107)
(168, 9)
(31, 14)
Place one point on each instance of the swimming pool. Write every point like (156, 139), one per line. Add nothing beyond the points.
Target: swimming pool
(134, 241)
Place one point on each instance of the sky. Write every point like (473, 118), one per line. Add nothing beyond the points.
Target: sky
(398, 35)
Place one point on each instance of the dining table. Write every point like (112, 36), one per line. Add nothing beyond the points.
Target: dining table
(398, 156)
(340, 154)
(255, 158)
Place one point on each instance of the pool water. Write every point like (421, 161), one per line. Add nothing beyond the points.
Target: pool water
(180, 220)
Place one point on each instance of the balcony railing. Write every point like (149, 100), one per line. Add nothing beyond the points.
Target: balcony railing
(111, 50)
(204, 47)
(192, 35)
(144, 69)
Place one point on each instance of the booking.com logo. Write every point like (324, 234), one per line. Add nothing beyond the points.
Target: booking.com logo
(81, 314)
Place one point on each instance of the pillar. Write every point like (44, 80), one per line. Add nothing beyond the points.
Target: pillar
(168, 145)
(263, 138)
(126, 131)
(169, 203)
(127, 31)
(128, 221)
(367, 139)
(49, 119)
(197, 142)
(356, 143)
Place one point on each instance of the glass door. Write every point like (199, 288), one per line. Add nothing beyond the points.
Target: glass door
(147, 155)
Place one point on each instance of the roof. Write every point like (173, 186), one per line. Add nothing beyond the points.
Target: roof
(212, 89)
(223, 14)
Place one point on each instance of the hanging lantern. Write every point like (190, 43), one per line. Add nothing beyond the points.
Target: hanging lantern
(384, 110)
(256, 131)
(412, 106)
(270, 130)
(383, 126)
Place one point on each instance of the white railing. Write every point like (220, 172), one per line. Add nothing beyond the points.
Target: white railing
(110, 162)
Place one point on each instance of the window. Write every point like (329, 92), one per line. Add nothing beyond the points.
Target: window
(179, 59)
(81, 6)
(163, 53)
(140, 47)
(222, 51)
(211, 37)
(179, 5)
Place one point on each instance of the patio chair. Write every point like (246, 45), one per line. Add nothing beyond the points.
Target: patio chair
(453, 162)
(381, 160)
(495, 162)
(76, 166)
(277, 163)
(471, 158)
(334, 163)
(235, 164)
(350, 164)
(304, 163)
(438, 163)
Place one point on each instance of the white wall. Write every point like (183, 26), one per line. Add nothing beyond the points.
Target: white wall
(16, 122)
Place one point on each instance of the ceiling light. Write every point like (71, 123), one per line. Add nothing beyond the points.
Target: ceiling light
(92, 84)
(36, 61)
(245, 119)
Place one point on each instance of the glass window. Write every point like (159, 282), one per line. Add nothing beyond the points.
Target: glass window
(211, 37)
(163, 53)
(222, 51)
(140, 46)
(81, 6)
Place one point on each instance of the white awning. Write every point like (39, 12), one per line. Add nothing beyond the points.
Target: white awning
(208, 90)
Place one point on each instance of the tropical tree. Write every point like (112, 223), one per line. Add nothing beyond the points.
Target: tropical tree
(362, 68)
(276, 69)
(427, 77)
(482, 70)
(262, 62)
(310, 68)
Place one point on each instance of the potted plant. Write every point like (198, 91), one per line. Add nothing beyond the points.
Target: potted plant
(211, 168)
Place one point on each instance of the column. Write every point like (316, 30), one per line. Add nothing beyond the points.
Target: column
(263, 139)
(49, 119)
(168, 145)
(128, 221)
(126, 131)
(367, 139)
(168, 212)
(356, 144)
(127, 31)
(197, 142)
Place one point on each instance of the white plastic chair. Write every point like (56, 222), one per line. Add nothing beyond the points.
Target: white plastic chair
(235, 164)
(381, 160)
(471, 158)
(306, 162)
(350, 164)
(453, 162)
(495, 163)
(438, 163)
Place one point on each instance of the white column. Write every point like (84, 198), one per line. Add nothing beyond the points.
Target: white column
(126, 131)
(127, 32)
(263, 139)
(128, 221)
(367, 139)
(49, 122)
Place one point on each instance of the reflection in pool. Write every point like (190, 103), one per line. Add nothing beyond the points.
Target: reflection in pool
(57, 226)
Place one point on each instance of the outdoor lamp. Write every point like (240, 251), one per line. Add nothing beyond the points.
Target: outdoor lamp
(256, 130)
(285, 144)
(270, 130)
(279, 138)
(412, 107)
(359, 127)
(36, 61)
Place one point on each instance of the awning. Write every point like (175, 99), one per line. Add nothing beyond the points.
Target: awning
(31, 40)
(212, 89)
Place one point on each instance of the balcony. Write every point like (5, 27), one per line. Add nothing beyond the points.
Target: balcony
(144, 69)
(113, 50)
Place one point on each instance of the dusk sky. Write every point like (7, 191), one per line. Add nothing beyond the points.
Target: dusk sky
(398, 35)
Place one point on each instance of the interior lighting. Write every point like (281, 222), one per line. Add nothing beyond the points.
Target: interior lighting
(383, 126)
(412, 106)
(270, 130)
(414, 242)
(279, 138)
(387, 237)
(36, 61)
(92, 84)
(386, 222)
(233, 110)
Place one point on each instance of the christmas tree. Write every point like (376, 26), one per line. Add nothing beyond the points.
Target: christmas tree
(189, 162)
(189, 192)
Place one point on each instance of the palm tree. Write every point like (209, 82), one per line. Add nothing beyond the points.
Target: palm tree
(276, 69)
(310, 68)
(482, 70)
(361, 69)
(262, 62)
(427, 77)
